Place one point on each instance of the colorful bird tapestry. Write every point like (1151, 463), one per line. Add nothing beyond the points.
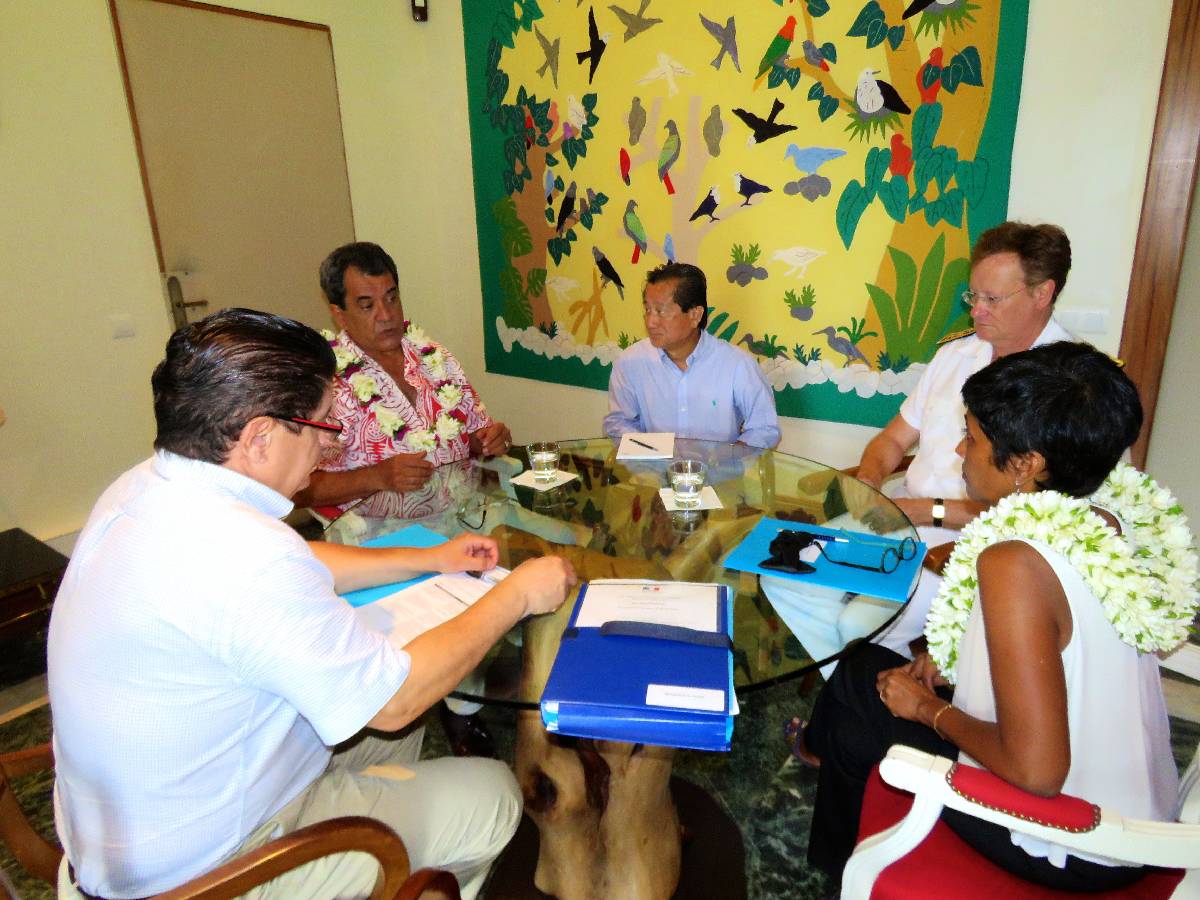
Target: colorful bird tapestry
(827, 163)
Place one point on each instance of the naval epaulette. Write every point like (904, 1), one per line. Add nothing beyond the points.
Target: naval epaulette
(955, 335)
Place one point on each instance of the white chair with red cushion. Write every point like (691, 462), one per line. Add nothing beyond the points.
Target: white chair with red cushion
(905, 852)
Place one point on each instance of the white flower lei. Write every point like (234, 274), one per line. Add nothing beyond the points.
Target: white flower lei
(390, 423)
(1145, 580)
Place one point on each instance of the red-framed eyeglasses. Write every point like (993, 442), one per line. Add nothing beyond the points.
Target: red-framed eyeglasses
(334, 427)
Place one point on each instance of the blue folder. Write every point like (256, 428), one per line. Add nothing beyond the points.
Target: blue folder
(597, 686)
(412, 536)
(866, 549)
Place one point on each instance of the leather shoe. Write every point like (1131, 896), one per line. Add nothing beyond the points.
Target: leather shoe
(468, 736)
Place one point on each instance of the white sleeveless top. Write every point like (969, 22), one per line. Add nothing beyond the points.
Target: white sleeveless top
(1117, 719)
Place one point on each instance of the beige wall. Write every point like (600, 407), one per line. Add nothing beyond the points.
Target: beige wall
(78, 401)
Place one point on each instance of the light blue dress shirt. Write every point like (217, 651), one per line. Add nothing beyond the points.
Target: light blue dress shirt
(722, 396)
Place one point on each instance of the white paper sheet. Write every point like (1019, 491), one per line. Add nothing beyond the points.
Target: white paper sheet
(526, 479)
(708, 500)
(682, 697)
(647, 445)
(657, 602)
(416, 609)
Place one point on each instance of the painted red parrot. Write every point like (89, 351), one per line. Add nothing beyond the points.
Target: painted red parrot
(929, 94)
(625, 163)
(902, 160)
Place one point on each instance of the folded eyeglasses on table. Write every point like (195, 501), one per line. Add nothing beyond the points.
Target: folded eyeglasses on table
(789, 544)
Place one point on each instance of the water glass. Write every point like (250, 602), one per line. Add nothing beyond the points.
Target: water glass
(543, 459)
(687, 481)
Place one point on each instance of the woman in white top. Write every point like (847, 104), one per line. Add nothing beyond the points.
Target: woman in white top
(1048, 608)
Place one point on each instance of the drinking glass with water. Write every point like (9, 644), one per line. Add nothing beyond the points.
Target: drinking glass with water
(543, 460)
(687, 481)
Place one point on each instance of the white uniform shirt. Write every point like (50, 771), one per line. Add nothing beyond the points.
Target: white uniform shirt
(200, 665)
(936, 410)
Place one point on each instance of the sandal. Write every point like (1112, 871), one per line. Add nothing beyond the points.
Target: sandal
(793, 731)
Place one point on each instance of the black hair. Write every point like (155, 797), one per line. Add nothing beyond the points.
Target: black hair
(368, 258)
(691, 287)
(1045, 251)
(1069, 402)
(226, 369)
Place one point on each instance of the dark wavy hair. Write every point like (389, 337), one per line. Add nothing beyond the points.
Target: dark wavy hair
(1045, 251)
(691, 287)
(226, 369)
(368, 258)
(1069, 402)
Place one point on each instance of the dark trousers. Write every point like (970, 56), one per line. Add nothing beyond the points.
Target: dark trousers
(851, 731)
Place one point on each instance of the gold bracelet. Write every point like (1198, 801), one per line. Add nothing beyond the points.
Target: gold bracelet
(937, 715)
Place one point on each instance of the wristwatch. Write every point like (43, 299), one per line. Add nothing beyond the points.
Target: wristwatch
(939, 511)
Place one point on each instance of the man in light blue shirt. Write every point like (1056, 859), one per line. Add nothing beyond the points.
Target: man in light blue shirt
(684, 380)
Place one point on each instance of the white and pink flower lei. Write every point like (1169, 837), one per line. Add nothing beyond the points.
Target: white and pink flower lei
(450, 419)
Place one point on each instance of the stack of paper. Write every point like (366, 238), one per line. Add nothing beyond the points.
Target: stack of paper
(648, 445)
(646, 662)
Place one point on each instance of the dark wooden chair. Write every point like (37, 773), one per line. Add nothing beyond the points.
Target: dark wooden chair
(41, 858)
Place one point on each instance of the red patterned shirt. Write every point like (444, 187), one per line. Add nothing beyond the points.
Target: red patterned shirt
(378, 421)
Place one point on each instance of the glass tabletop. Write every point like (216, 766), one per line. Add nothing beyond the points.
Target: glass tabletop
(610, 522)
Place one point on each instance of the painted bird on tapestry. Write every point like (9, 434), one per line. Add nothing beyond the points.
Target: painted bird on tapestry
(550, 52)
(902, 158)
(798, 258)
(636, 120)
(776, 50)
(669, 247)
(635, 230)
(576, 118)
(842, 345)
(548, 185)
(921, 5)
(668, 155)
(764, 129)
(625, 163)
(635, 23)
(608, 274)
(726, 38)
(666, 70)
(813, 56)
(809, 159)
(566, 208)
(708, 206)
(596, 45)
(874, 96)
(714, 130)
(748, 188)
(929, 94)
(530, 131)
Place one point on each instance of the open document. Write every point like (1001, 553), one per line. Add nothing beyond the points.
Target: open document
(419, 607)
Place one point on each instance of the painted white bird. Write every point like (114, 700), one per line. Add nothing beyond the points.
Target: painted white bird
(873, 95)
(576, 114)
(666, 70)
(798, 258)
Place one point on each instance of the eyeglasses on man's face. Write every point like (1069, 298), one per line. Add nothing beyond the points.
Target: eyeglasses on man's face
(665, 311)
(331, 427)
(976, 298)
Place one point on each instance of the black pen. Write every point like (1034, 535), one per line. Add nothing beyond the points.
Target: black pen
(640, 444)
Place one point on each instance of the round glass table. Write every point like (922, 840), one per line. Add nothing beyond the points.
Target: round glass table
(607, 824)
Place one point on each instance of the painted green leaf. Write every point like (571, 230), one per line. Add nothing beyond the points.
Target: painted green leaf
(929, 76)
(817, 91)
(729, 333)
(827, 107)
(551, 160)
(951, 76)
(550, 217)
(952, 207)
(589, 101)
(829, 51)
(868, 14)
(906, 283)
(876, 166)
(512, 285)
(954, 282)
(851, 205)
(792, 77)
(923, 168)
(570, 151)
(895, 35)
(715, 322)
(585, 219)
(972, 178)
(877, 33)
(916, 203)
(926, 122)
(885, 309)
(933, 211)
(927, 283)
(894, 194)
(817, 8)
(971, 66)
(514, 234)
(536, 283)
(777, 76)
